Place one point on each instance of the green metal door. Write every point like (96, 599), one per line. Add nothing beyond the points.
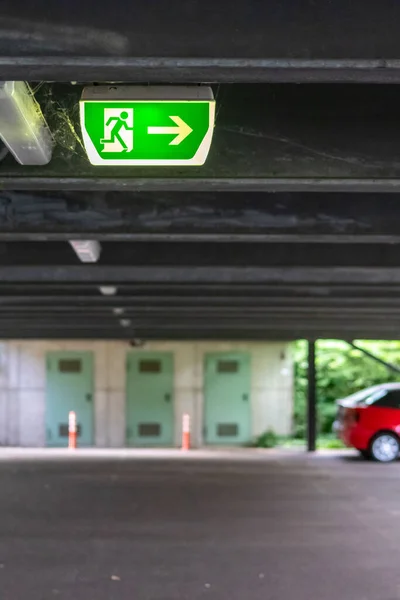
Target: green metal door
(69, 387)
(150, 403)
(227, 415)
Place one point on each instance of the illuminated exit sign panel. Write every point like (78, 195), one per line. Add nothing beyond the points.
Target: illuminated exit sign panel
(135, 125)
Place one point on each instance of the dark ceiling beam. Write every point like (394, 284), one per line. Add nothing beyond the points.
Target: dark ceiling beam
(140, 290)
(101, 275)
(223, 335)
(196, 334)
(160, 311)
(12, 177)
(161, 322)
(245, 40)
(276, 321)
(16, 333)
(57, 304)
(38, 292)
(194, 70)
(40, 235)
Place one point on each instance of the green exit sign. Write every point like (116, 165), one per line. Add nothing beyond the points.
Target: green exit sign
(137, 125)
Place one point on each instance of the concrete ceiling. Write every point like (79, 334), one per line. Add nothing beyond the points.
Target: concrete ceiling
(291, 229)
(201, 289)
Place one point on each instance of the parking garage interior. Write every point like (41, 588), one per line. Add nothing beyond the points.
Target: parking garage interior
(199, 280)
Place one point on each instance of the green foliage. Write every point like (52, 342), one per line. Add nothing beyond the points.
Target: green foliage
(268, 439)
(329, 442)
(341, 371)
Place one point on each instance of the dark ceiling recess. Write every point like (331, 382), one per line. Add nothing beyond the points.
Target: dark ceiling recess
(268, 137)
(206, 290)
(263, 217)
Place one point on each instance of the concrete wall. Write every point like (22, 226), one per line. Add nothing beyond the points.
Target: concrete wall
(23, 382)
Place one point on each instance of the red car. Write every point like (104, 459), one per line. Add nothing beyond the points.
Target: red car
(370, 421)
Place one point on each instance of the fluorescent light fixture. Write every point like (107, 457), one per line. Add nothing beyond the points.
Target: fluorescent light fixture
(125, 322)
(108, 290)
(22, 126)
(88, 251)
(118, 310)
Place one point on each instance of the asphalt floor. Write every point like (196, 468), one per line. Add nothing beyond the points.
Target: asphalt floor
(267, 526)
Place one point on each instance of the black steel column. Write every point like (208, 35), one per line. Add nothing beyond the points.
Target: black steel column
(311, 400)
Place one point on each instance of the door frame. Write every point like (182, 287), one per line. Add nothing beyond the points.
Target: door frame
(228, 354)
(149, 354)
(74, 353)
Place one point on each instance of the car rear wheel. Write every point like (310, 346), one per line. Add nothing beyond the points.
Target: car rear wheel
(385, 447)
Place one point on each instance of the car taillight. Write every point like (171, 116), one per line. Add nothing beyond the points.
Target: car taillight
(352, 415)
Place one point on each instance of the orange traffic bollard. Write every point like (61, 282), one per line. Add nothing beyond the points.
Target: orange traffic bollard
(186, 432)
(72, 430)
